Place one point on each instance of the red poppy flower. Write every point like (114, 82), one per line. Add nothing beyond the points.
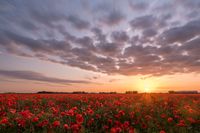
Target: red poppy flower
(43, 123)
(79, 118)
(35, 119)
(170, 119)
(181, 123)
(26, 114)
(105, 127)
(4, 121)
(75, 127)
(144, 126)
(13, 111)
(191, 120)
(56, 123)
(115, 130)
(126, 124)
(163, 115)
(90, 111)
(66, 126)
(162, 131)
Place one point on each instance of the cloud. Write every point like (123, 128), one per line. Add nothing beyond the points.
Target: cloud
(143, 22)
(182, 33)
(99, 35)
(78, 23)
(162, 41)
(150, 22)
(149, 32)
(113, 18)
(192, 47)
(119, 36)
(46, 18)
(12, 41)
(34, 76)
(194, 4)
(138, 6)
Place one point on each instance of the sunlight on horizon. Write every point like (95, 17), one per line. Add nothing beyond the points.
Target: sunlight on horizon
(147, 85)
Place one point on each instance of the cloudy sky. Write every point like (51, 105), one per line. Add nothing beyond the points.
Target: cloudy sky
(99, 45)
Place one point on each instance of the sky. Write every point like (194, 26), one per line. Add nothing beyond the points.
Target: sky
(99, 45)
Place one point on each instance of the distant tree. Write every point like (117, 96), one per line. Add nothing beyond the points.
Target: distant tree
(131, 92)
(171, 92)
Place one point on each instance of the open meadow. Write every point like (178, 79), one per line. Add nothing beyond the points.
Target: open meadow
(131, 113)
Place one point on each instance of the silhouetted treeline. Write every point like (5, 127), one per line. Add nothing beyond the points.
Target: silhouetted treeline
(51, 92)
(131, 92)
(183, 92)
(113, 92)
(74, 92)
(107, 92)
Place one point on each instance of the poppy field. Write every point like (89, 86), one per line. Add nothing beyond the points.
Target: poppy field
(87, 113)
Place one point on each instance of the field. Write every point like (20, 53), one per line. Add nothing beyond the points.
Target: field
(132, 113)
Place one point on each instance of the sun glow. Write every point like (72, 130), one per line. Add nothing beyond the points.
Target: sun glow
(147, 88)
(147, 85)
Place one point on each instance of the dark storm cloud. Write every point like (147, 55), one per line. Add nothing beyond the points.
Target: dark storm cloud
(34, 76)
(155, 46)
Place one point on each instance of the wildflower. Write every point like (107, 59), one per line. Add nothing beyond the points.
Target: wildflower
(75, 127)
(131, 130)
(105, 127)
(115, 130)
(144, 126)
(98, 116)
(55, 111)
(148, 117)
(4, 121)
(90, 111)
(90, 121)
(56, 123)
(163, 115)
(121, 112)
(66, 126)
(181, 123)
(162, 131)
(126, 124)
(79, 118)
(43, 123)
(70, 112)
(26, 114)
(13, 111)
(191, 120)
(35, 119)
(170, 119)
(21, 122)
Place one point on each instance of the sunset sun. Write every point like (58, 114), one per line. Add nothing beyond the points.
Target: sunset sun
(147, 85)
(147, 88)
